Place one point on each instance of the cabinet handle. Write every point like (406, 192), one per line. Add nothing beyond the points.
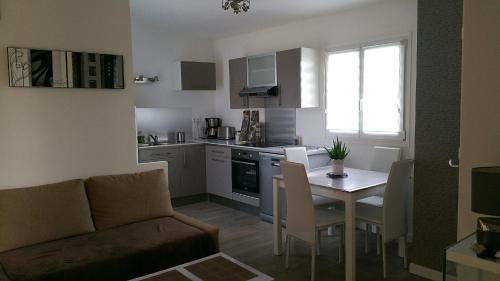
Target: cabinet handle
(217, 151)
(275, 164)
(184, 158)
(218, 160)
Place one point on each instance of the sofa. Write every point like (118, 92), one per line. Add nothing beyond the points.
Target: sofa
(114, 227)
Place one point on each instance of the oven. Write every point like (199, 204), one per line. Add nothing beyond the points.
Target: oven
(245, 172)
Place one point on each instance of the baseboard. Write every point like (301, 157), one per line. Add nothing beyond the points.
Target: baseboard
(234, 204)
(187, 200)
(425, 272)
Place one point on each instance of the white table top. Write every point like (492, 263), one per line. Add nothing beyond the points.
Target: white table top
(356, 179)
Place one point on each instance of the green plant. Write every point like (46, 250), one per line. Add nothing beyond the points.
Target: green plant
(338, 151)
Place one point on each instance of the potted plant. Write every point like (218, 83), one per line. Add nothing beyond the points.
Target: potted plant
(338, 152)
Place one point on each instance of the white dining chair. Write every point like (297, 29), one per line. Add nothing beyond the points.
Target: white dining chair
(391, 218)
(303, 221)
(299, 155)
(381, 161)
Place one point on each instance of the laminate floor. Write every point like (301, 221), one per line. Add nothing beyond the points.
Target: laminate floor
(250, 240)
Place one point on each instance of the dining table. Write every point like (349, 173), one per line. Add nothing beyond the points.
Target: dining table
(355, 185)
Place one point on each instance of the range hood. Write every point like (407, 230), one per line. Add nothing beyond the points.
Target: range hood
(263, 92)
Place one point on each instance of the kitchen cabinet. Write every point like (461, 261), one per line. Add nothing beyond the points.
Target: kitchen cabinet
(238, 81)
(186, 167)
(193, 178)
(195, 76)
(297, 72)
(218, 165)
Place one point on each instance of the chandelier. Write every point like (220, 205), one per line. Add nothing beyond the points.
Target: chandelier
(236, 5)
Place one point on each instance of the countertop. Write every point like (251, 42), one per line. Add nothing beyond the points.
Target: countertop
(231, 143)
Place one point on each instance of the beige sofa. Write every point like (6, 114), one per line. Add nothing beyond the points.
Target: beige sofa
(104, 228)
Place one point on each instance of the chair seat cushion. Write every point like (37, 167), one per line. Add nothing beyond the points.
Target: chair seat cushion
(369, 214)
(327, 218)
(320, 200)
(377, 201)
(119, 253)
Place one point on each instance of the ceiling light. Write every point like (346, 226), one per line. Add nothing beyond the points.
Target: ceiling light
(236, 5)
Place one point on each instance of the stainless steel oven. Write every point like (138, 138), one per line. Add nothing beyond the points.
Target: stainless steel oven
(245, 172)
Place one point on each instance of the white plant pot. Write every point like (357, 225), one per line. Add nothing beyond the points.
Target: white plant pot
(338, 167)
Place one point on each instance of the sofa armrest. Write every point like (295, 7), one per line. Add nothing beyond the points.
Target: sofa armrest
(3, 275)
(212, 230)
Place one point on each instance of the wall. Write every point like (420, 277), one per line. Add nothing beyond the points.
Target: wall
(369, 23)
(155, 52)
(437, 130)
(47, 135)
(480, 113)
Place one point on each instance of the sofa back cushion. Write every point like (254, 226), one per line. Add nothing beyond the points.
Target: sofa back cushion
(43, 213)
(122, 199)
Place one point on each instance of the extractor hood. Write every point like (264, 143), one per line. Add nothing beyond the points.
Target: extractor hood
(265, 91)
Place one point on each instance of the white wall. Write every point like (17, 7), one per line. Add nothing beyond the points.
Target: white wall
(369, 23)
(480, 103)
(47, 135)
(155, 52)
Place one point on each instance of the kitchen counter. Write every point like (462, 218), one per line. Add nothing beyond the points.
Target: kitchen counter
(231, 143)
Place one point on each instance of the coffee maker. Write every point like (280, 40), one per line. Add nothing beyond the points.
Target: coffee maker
(212, 126)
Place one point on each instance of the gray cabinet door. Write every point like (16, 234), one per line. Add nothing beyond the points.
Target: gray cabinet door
(237, 81)
(218, 167)
(288, 73)
(173, 156)
(193, 179)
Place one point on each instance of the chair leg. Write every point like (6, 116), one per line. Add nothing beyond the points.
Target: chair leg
(405, 252)
(384, 261)
(367, 228)
(313, 262)
(287, 250)
(318, 241)
(378, 239)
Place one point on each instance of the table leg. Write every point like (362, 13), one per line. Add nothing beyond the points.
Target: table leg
(277, 218)
(350, 239)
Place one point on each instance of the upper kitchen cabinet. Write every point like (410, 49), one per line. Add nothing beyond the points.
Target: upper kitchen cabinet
(195, 76)
(238, 75)
(297, 72)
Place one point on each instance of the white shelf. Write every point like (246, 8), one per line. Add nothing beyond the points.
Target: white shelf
(462, 253)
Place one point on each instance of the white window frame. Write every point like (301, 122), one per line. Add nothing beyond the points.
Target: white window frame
(402, 137)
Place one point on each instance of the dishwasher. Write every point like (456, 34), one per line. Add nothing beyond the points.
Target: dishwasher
(269, 166)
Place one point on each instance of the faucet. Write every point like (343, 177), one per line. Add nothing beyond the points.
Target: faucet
(153, 140)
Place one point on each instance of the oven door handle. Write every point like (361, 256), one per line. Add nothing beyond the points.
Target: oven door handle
(244, 163)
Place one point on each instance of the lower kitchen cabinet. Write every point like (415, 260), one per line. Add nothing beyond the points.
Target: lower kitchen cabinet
(218, 165)
(186, 168)
(193, 179)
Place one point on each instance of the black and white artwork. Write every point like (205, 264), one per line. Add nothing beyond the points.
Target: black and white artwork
(64, 69)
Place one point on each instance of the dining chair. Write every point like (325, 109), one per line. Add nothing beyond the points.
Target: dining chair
(299, 155)
(391, 218)
(381, 161)
(304, 222)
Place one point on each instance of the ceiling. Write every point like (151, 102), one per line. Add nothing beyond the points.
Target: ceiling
(206, 18)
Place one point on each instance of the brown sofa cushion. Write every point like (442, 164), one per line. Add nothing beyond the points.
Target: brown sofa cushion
(119, 253)
(43, 213)
(121, 199)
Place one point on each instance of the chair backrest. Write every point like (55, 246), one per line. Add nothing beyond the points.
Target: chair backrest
(300, 220)
(383, 157)
(395, 207)
(297, 155)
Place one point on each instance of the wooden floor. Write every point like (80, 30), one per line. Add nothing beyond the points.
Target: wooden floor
(250, 240)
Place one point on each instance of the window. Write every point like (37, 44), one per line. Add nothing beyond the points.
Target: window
(365, 91)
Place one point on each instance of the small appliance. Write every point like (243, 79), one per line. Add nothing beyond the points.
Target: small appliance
(212, 126)
(226, 133)
(180, 137)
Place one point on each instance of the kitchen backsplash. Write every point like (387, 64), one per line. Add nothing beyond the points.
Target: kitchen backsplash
(164, 122)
